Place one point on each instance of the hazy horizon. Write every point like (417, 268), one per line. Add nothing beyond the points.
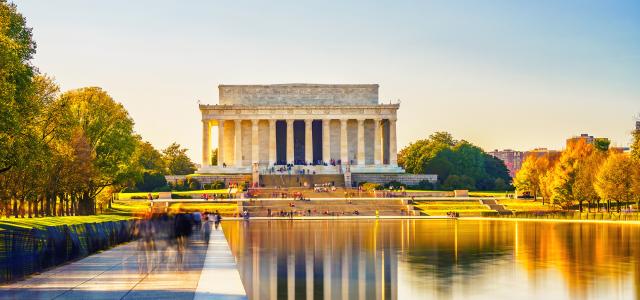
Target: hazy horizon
(500, 74)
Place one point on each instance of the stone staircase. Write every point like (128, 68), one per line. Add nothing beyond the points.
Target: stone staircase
(259, 208)
(493, 204)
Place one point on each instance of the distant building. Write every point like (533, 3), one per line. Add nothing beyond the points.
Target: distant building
(585, 136)
(620, 149)
(589, 139)
(539, 152)
(511, 158)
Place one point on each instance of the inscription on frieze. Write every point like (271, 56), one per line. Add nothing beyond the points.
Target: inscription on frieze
(299, 94)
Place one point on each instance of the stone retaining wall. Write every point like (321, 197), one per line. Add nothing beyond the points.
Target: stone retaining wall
(408, 179)
(25, 251)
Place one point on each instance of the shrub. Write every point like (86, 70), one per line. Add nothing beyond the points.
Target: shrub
(425, 185)
(129, 189)
(194, 186)
(151, 181)
(179, 196)
(369, 186)
(165, 188)
(395, 185)
(206, 186)
(216, 185)
(455, 182)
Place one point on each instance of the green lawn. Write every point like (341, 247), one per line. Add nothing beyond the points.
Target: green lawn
(496, 194)
(525, 205)
(440, 208)
(127, 196)
(56, 221)
(128, 207)
(225, 209)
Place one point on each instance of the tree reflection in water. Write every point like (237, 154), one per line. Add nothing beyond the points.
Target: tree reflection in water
(436, 259)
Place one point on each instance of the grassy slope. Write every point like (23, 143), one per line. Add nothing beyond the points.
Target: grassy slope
(56, 221)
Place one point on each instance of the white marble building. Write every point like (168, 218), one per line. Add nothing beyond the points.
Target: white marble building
(320, 127)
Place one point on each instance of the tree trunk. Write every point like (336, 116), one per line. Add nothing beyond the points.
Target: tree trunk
(54, 205)
(580, 205)
(21, 205)
(15, 207)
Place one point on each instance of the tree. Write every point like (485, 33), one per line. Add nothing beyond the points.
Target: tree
(528, 177)
(108, 131)
(613, 182)
(16, 83)
(444, 156)
(566, 170)
(177, 161)
(635, 144)
(455, 182)
(635, 181)
(148, 157)
(151, 181)
(586, 169)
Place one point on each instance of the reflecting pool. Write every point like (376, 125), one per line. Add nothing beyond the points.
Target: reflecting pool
(436, 259)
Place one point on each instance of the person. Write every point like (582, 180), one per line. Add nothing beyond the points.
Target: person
(268, 212)
(217, 218)
(245, 214)
(377, 214)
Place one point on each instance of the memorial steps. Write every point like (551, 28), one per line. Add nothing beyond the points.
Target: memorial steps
(339, 207)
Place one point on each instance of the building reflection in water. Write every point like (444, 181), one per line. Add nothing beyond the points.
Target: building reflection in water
(428, 259)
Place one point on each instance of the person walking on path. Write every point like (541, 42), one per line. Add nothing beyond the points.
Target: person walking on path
(217, 219)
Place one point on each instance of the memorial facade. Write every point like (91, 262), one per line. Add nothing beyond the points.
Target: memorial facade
(321, 128)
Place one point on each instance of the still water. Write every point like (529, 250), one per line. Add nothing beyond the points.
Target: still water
(436, 259)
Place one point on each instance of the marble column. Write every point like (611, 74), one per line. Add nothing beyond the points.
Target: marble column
(290, 141)
(309, 261)
(326, 141)
(272, 142)
(291, 276)
(206, 143)
(377, 142)
(344, 148)
(220, 143)
(308, 141)
(393, 147)
(255, 142)
(361, 157)
(238, 143)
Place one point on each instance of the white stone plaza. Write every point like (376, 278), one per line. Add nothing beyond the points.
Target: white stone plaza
(320, 128)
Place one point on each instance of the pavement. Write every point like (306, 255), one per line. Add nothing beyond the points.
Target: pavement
(205, 269)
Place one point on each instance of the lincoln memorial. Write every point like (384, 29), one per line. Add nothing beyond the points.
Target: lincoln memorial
(309, 129)
(323, 127)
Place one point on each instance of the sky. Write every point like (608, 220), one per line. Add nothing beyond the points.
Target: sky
(500, 74)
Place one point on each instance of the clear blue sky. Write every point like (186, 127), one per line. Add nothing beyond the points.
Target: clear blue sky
(501, 74)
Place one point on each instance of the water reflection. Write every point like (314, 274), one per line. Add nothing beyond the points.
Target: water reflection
(427, 259)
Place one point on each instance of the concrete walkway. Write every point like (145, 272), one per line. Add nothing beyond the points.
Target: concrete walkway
(220, 278)
(140, 270)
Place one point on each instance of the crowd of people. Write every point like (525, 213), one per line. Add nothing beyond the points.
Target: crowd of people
(163, 238)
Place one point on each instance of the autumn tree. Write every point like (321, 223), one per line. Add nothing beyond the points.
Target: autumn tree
(613, 181)
(566, 171)
(108, 129)
(585, 172)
